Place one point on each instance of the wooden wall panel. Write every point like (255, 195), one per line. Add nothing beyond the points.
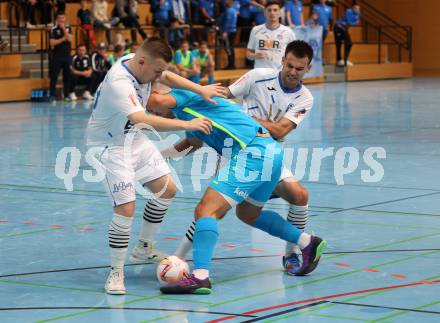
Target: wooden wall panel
(10, 65)
(423, 16)
(20, 89)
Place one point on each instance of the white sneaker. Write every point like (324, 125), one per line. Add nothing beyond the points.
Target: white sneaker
(340, 63)
(87, 95)
(349, 63)
(72, 96)
(141, 253)
(115, 282)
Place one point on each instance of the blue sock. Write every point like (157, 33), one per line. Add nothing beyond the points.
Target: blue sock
(272, 223)
(204, 241)
(211, 79)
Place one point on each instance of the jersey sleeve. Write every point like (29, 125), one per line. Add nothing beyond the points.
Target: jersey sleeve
(242, 87)
(124, 97)
(183, 97)
(251, 43)
(299, 112)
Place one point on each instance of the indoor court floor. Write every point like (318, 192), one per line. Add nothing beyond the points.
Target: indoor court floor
(383, 258)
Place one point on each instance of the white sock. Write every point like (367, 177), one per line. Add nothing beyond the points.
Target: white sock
(154, 212)
(201, 273)
(297, 216)
(304, 240)
(186, 244)
(119, 235)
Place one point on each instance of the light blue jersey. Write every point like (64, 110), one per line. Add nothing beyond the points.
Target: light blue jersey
(254, 167)
(228, 120)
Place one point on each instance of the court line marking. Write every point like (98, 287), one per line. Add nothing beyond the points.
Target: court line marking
(362, 291)
(118, 308)
(387, 307)
(215, 259)
(299, 308)
(405, 312)
(246, 297)
(386, 202)
(362, 297)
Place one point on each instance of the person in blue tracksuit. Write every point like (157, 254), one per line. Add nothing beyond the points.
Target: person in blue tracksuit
(351, 18)
(325, 19)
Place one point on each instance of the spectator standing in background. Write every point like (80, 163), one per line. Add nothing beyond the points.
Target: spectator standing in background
(268, 41)
(126, 11)
(228, 31)
(85, 17)
(294, 13)
(100, 66)
(161, 15)
(325, 19)
(313, 21)
(351, 18)
(60, 38)
(257, 12)
(101, 19)
(81, 72)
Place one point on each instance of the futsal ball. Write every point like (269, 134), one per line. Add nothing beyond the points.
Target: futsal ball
(172, 269)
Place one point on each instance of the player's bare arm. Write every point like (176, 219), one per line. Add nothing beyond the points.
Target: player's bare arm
(278, 129)
(164, 124)
(252, 55)
(183, 148)
(207, 92)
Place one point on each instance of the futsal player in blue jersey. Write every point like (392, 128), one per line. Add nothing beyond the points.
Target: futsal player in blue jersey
(245, 182)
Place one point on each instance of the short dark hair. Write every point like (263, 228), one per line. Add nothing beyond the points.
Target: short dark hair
(271, 3)
(157, 48)
(300, 49)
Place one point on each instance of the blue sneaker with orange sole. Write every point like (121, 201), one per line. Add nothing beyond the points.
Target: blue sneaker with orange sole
(311, 256)
(189, 285)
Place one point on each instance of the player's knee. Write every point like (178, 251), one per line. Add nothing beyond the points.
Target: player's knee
(303, 197)
(170, 191)
(126, 209)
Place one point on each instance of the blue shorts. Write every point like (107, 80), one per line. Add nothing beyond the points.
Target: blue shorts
(252, 174)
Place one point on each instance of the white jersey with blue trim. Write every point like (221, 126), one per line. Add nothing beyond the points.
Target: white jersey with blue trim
(272, 42)
(119, 95)
(265, 97)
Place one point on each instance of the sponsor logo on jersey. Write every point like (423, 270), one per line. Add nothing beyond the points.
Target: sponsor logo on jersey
(271, 88)
(122, 186)
(267, 43)
(241, 193)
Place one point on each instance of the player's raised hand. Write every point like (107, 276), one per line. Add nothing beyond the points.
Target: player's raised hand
(200, 124)
(209, 91)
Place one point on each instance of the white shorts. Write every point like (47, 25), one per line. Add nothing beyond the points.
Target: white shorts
(144, 164)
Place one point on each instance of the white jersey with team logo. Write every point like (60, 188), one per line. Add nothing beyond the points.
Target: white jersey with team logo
(119, 95)
(271, 42)
(266, 98)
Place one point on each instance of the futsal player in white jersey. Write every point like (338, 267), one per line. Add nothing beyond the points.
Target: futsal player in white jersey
(128, 157)
(279, 101)
(268, 41)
